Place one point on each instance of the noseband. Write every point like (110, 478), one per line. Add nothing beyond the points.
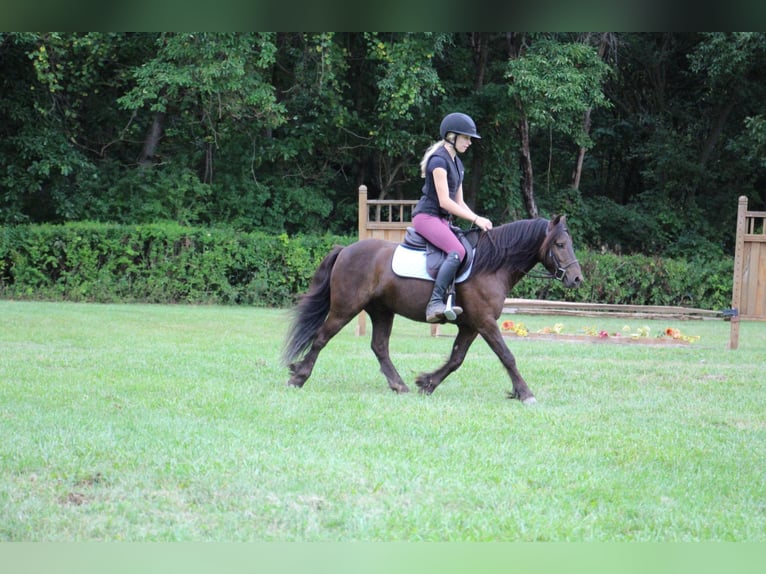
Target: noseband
(561, 270)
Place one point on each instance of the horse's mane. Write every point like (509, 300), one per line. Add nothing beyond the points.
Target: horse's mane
(514, 246)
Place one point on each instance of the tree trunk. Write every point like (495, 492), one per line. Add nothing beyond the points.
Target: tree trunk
(208, 177)
(607, 40)
(581, 153)
(516, 47)
(471, 188)
(715, 133)
(525, 160)
(152, 141)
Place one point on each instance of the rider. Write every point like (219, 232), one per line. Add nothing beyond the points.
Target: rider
(442, 198)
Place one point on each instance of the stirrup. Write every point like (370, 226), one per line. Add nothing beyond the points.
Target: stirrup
(450, 312)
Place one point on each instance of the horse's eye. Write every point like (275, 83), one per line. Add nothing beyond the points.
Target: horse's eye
(560, 244)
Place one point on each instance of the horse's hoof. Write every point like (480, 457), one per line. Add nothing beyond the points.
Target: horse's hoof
(425, 386)
(531, 400)
(294, 384)
(400, 389)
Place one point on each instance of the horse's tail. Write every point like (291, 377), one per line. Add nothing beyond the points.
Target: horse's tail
(311, 311)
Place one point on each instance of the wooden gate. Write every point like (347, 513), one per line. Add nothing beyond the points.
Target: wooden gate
(384, 219)
(748, 299)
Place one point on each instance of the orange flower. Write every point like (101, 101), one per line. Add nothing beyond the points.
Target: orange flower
(671, 332)
(507, 326)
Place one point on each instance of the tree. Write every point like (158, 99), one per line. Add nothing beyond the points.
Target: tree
(407, 87)
(672, 155)
(59, 122)
(217, 81)
(606, 43)
(554, 84)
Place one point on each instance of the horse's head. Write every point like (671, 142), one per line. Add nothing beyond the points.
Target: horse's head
(557, 253)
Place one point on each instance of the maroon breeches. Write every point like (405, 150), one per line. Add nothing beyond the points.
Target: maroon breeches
(437, 231)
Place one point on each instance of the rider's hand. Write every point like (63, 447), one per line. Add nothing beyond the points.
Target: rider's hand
(483, 223)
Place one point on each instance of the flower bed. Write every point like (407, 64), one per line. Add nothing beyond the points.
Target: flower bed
(642, 335)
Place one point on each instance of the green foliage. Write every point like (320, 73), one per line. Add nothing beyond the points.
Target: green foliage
(555, 83)
(677, 149)
(213, 75)
(158, 263)
(408, 80)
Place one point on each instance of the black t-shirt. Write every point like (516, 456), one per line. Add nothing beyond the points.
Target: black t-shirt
(429, 201)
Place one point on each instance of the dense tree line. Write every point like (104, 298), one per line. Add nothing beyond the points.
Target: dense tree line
(644, 139)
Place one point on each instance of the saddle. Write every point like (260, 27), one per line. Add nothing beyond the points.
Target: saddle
(435, 256)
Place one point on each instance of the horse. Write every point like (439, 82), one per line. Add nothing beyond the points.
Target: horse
(359, 277)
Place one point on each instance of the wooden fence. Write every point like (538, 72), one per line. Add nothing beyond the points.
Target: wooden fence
(537, 307)
(748, 300)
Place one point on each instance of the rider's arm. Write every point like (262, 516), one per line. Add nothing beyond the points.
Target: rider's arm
(456, 207)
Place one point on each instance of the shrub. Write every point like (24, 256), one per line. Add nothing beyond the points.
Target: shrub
(640, 280)
(159, 263)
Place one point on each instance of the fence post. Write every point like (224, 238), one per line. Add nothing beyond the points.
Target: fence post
(361, 324)
(363, 215)
(739, 254)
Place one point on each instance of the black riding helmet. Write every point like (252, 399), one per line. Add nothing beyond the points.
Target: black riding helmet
(459, 124)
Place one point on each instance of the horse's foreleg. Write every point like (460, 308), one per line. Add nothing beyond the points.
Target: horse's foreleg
(496, 342)
(301, 370)
(382, 323)
(429, 381)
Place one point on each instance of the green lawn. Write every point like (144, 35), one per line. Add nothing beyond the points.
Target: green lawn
(173, 423)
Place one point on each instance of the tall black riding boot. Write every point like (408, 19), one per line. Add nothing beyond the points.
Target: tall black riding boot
(436, 306)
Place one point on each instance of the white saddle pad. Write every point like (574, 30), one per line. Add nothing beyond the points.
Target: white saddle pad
(412, 263)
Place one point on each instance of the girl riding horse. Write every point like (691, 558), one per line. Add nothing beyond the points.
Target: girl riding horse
(442, 198)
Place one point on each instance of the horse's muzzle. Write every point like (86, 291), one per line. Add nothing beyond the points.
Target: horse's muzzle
(573, 282)
(570, 274)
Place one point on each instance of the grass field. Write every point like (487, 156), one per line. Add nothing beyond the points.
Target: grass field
(173, 423)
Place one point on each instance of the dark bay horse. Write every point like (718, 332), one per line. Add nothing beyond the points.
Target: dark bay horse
(359, 278)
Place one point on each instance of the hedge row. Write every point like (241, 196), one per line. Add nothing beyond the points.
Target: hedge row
(642, 280)
(161, 263)
(168, 263)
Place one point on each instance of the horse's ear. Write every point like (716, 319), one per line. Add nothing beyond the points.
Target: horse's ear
(556, 221)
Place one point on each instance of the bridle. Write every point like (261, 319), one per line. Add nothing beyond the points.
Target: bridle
(561, 269)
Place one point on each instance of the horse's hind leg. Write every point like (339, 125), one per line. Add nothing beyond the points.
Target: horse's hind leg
(382, 323)
(301, 370)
